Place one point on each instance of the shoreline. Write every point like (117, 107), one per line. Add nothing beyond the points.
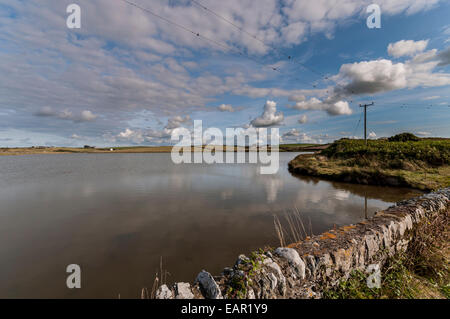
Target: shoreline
(315, 165)
(403, 160)
(5, 151)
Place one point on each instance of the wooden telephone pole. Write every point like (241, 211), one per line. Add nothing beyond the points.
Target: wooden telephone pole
(365, 119)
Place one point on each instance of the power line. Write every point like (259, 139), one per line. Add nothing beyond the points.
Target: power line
(222, 45)
(409, 105)
(197, 34)
(289, 57)
(357, 125)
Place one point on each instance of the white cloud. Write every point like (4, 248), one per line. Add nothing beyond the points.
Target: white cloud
(133, 136)
(406, 48)
(373, 76)
(76, 137)
(369, 77)
(270, 116)
(332, 108)
(372, 135)
(226, 108)
(87, 115)
(294, 32)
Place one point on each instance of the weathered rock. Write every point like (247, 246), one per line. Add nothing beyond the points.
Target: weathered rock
(183, 291)
(310, 262)
(277, 278)
(325, 265)
(343, 259)
(294, 259)
(164, 292)
(371, 245)
(242, 259)
(208, 285)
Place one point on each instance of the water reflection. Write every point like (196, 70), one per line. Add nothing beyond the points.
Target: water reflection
(117, 214)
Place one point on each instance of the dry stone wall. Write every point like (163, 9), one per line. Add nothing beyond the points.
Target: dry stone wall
(303, 269)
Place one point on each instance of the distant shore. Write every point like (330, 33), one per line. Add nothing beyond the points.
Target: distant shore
(138, 149)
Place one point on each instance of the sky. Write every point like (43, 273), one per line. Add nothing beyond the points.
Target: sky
(130, 77)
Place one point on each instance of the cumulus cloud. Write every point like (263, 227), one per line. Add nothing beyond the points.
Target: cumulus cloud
(329, 106)
(87, 115)
(226, 108)
(377, 76)
(270, 116)
(133, 136)
(370, 77)
(372, 135)
(158, 136)
(406, 48)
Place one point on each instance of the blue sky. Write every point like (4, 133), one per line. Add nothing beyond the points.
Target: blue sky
(128, 78)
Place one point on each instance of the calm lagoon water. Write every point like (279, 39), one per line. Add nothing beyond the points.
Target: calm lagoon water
(117, 215)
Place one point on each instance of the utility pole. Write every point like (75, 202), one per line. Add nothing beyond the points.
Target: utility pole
(365, 119)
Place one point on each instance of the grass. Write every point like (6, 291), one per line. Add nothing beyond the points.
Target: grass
(237, 285)
(391, 154)
(294, 229)
(422, 272)
(159, 280)
(422, 164)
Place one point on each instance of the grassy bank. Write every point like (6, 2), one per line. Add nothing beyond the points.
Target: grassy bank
(133, 149)
(422, 163)
(422, 272)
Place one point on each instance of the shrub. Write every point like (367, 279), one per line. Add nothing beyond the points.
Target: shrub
(404, 137)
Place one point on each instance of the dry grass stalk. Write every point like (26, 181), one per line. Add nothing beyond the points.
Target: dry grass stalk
(296, 228)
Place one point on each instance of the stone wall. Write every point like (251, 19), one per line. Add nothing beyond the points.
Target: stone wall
(304, 268)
